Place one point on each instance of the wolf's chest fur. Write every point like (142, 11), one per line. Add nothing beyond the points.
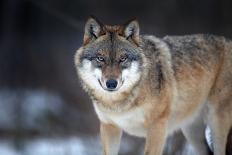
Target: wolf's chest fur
(132, 121)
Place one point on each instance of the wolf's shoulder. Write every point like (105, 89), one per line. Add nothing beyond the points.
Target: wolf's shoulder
(186, 44)
(187, 50)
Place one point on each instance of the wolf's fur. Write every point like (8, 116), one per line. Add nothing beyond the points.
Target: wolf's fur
(177, 82)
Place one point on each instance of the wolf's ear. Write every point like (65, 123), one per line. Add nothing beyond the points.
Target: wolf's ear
(93, 29)
(131, 29)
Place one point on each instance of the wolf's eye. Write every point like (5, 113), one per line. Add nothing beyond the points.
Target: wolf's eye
(123, 58)
(100, 59)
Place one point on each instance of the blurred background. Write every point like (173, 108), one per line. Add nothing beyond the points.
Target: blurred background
(43, 110)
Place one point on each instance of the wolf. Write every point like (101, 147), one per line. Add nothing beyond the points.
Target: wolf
(150, 87)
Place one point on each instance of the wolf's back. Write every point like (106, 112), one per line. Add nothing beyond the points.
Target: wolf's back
(195, 50)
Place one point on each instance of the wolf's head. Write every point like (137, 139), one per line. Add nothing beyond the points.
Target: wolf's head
(110, 59)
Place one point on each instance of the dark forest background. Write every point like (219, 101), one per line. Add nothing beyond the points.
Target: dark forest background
(40, 95)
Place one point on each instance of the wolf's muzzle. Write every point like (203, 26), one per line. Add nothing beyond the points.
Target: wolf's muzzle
(111, 84)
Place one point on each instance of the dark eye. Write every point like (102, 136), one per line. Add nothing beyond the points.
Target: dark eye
(123, 58)
(100, 59)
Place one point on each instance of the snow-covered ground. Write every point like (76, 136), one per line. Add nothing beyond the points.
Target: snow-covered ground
(61, 146)
(57, 146)
(73, 146)
(28, 107)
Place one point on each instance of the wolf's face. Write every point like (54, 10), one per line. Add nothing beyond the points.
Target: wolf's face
(110, 60)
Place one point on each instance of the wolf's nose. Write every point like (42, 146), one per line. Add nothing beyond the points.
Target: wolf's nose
(111, 84)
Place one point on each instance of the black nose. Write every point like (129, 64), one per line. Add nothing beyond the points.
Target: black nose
(111, 84)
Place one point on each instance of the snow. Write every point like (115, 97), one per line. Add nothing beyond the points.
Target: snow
(7, 107)
(209, 138)
(68, 146)
(30, 105)
(6, 148)
(85, 145)
(55, 146)
(37, 104)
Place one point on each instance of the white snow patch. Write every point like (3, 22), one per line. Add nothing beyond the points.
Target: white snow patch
(55, 146)
(30, 105)
(6, 148)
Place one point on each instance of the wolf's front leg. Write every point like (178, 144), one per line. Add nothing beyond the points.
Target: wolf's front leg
(110, 137)
(156, 138)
